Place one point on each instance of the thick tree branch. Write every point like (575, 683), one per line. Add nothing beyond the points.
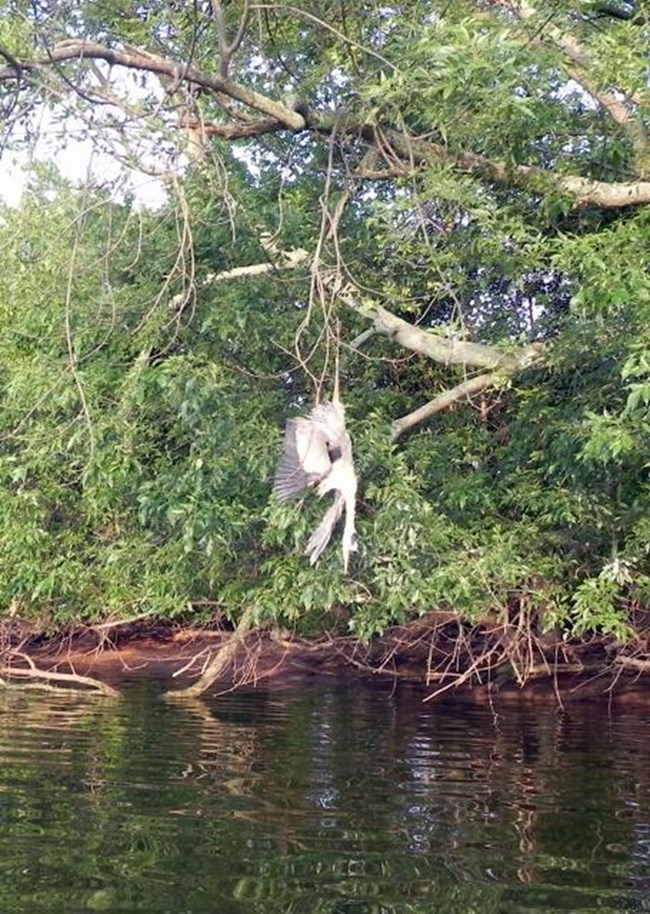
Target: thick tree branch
(236, 131)
(585, 191)
(442, 349)
(443, 401)
(414, 152)
(152, 63)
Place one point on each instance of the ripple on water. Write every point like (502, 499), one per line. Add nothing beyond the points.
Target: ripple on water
(325, 799)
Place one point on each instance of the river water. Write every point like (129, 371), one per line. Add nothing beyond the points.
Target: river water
(323, 799)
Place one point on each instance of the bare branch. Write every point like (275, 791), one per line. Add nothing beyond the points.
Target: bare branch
(362, 338)
(70, 679)
(634, 663)
(443, 401)
(288, 260)
(221, 661)
(442, 349)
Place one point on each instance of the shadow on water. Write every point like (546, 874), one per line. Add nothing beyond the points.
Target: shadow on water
(345, 799)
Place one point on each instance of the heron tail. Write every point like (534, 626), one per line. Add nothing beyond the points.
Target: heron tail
(322, 534)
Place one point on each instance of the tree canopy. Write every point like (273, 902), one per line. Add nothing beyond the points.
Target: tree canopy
(455, 197)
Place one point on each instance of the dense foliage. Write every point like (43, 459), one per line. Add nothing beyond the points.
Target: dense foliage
(144, 393)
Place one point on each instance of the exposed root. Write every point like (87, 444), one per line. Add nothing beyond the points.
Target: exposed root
(440, 650)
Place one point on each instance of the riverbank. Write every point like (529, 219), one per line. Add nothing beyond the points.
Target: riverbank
(439, 652)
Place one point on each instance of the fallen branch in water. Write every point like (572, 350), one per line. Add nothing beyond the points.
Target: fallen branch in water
(634, 663)
(224, 657)
(31, 671)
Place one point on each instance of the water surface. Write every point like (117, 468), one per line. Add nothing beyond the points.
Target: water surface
(325, 799)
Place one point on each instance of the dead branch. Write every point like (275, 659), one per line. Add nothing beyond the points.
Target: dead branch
(31, 671)
(634, 663)
(118, 623)
(224, 657)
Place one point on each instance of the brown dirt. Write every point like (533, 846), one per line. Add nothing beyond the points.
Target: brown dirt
(438, 651)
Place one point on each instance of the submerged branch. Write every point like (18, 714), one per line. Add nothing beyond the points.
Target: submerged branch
(7, 673)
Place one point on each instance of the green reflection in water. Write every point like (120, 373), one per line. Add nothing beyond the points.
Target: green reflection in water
(342, 799)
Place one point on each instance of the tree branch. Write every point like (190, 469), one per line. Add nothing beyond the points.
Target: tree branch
(414, 152)
(152, 63)
(70, 679)
(444, 400)
(219, 664)
(236, 131)
(442, 349)
(571, 47)
(585, 191)
(289, 261)
(619, 110)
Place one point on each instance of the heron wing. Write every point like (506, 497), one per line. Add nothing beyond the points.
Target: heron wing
(304, 461)
(322, 534)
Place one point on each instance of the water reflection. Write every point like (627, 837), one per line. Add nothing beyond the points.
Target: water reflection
(324, 800)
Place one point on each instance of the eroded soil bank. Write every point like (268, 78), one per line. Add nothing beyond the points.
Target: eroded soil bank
(440, 652)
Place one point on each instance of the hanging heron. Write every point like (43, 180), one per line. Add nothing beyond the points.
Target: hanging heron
(318, 452)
